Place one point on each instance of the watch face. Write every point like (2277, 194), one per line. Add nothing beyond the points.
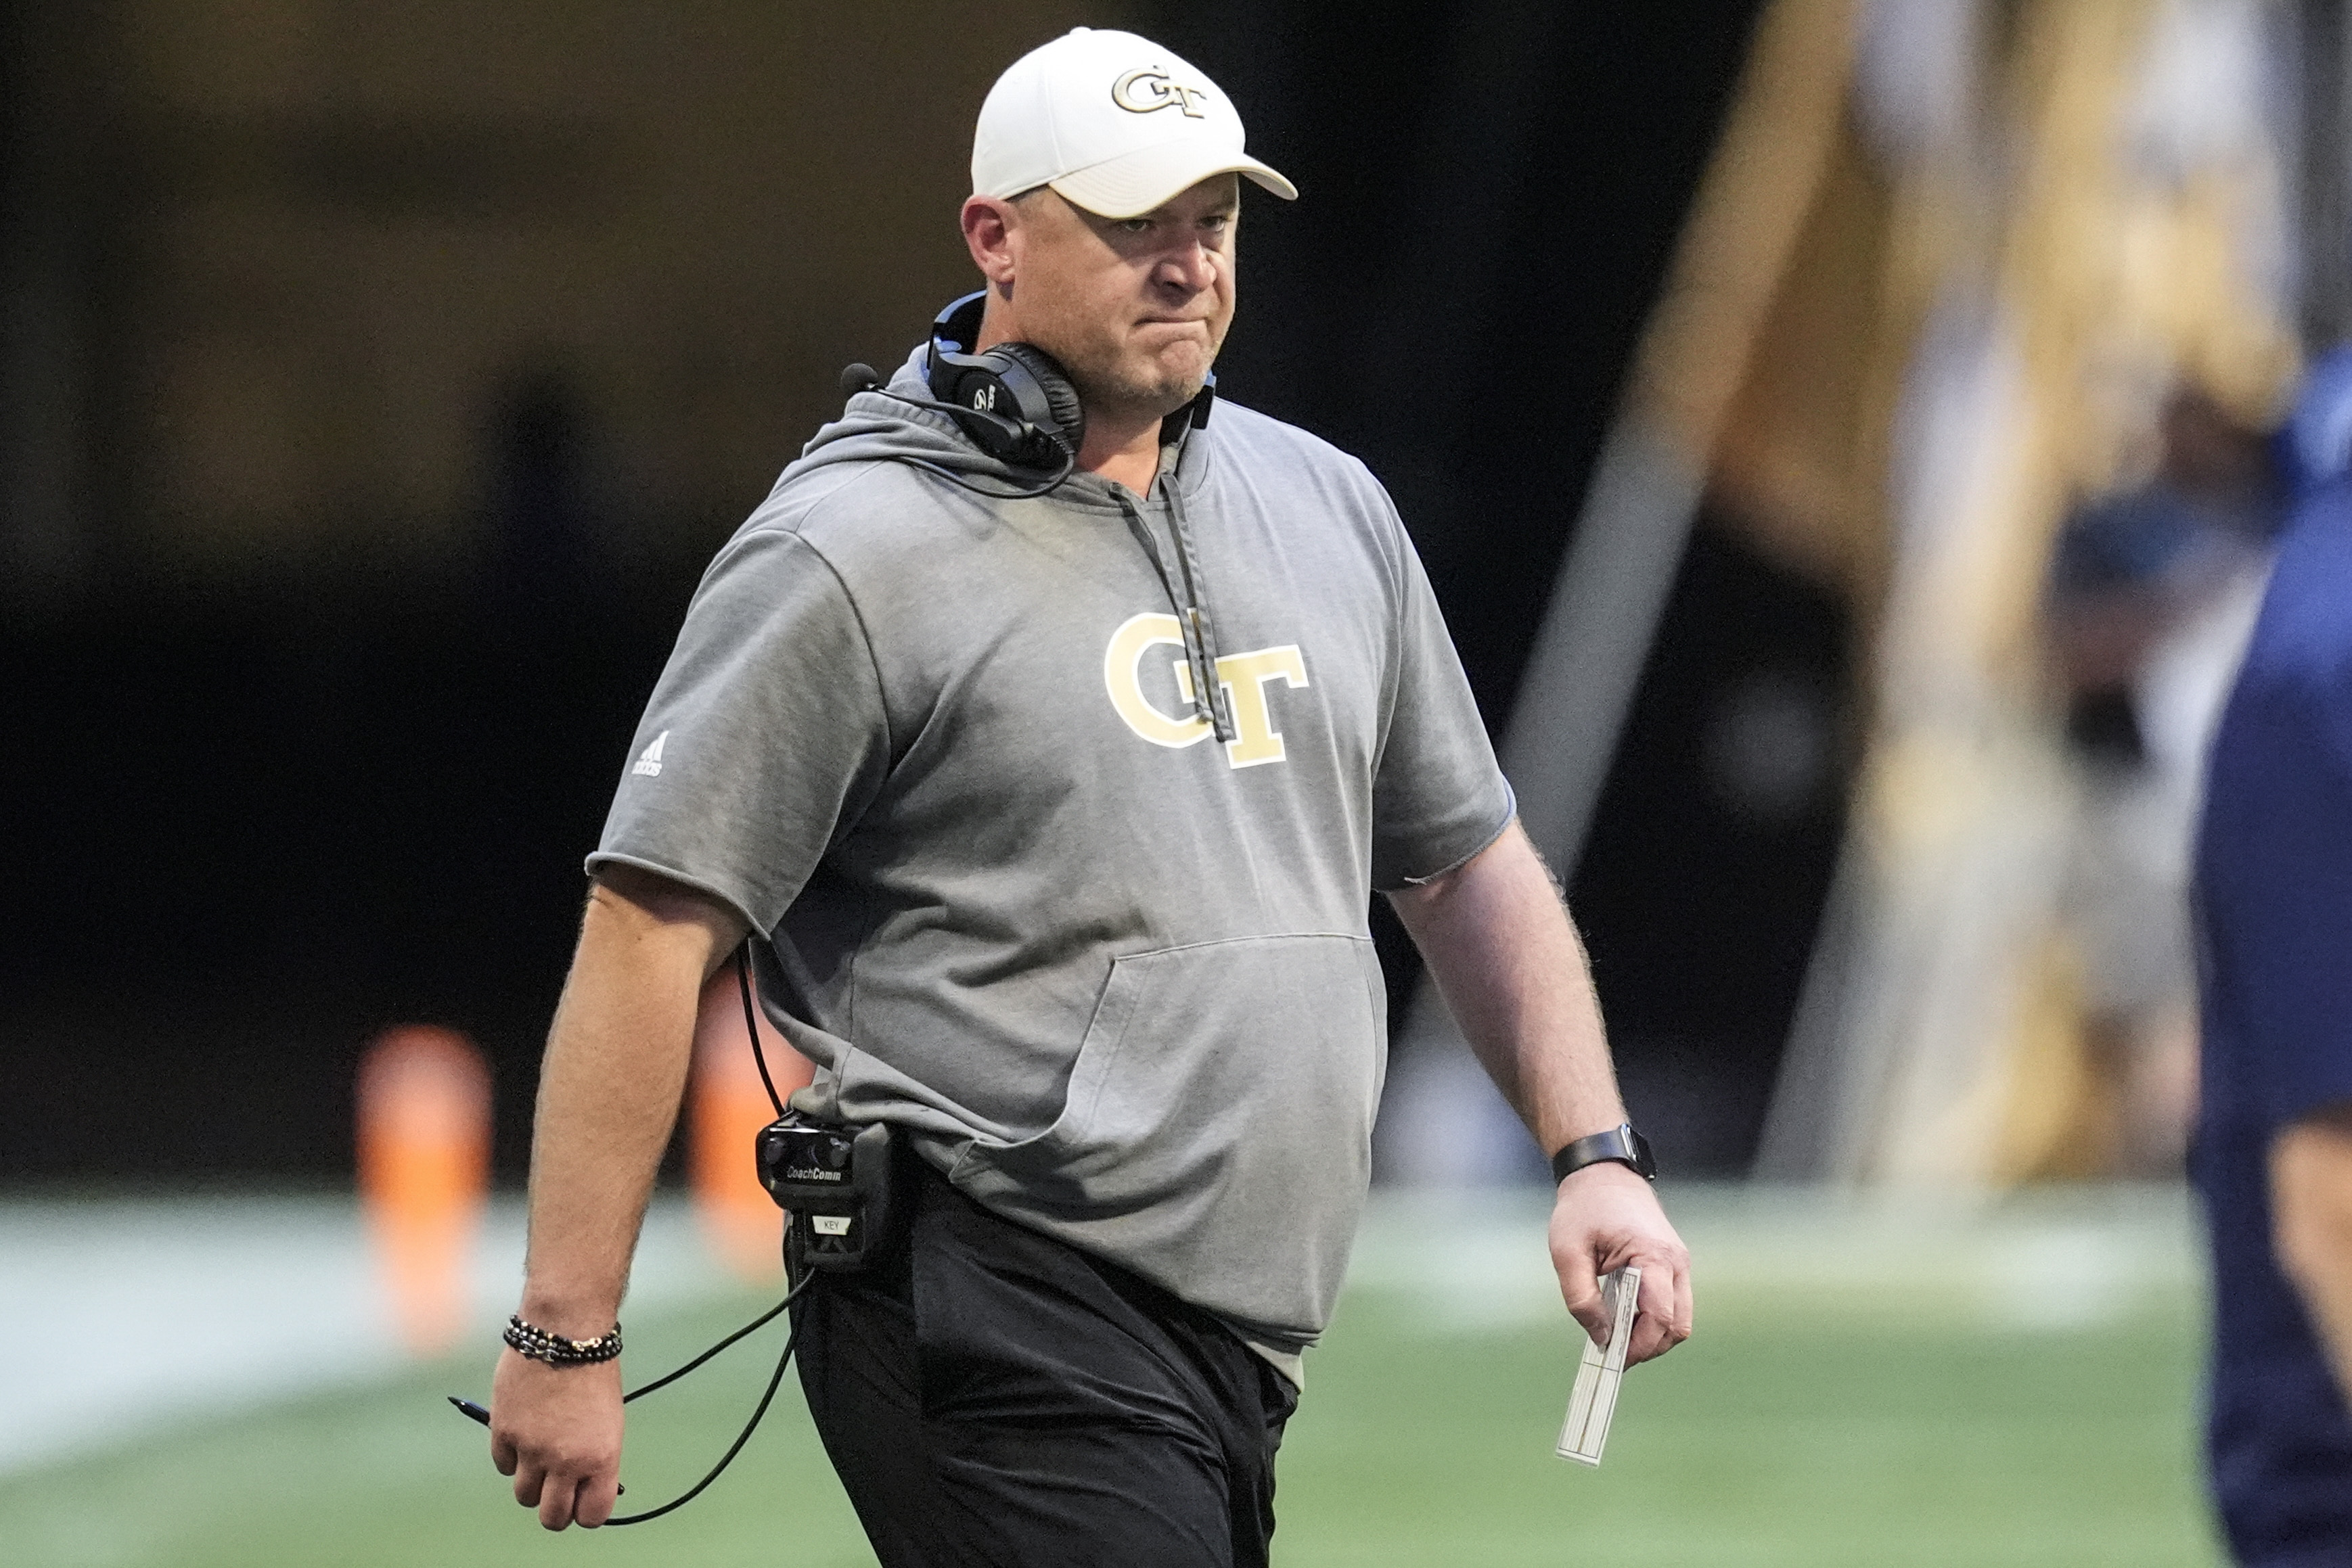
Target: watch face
(1644, 1163)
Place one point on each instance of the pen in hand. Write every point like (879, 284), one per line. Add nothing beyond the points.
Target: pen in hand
(474, 1412)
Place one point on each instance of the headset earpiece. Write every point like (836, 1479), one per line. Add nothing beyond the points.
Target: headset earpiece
(1065, 417)
(1023, 410)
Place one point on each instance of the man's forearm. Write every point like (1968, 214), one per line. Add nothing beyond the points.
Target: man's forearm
(2311, 1216)
(1499, 944)
(609, 1088)
(1498, 941)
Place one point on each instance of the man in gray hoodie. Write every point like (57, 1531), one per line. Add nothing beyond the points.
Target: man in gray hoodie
(1053, 794)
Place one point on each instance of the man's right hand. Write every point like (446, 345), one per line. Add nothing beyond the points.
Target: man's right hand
(608, 1093)
(557, 1430)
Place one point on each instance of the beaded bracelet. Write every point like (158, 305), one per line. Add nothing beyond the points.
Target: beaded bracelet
(557, 1351)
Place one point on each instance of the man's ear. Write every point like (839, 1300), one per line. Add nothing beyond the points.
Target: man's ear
(989, 224)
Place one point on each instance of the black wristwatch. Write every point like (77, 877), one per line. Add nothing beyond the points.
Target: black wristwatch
(1620, 1143)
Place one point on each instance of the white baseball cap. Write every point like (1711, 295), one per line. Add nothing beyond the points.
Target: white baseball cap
(1114, 122)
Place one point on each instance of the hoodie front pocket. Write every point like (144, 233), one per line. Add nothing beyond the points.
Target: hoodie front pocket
(1222, 1099)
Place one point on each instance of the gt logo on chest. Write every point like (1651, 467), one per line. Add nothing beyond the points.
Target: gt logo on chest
(1244, 678)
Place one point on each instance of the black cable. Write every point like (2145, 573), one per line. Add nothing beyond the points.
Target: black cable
(754, 1326)
(1060, 477)
(791, 1340)
(752, 1024)
(749, 1427)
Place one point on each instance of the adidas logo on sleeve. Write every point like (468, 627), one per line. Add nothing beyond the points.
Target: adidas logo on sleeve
(649, 766)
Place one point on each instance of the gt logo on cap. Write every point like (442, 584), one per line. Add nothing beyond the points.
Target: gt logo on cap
(1156, 91)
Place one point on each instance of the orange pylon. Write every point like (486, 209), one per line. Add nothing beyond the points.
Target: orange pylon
(424, 1101)
(727, 1108)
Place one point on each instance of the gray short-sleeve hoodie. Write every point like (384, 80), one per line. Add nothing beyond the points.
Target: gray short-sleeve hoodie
(1111, 971)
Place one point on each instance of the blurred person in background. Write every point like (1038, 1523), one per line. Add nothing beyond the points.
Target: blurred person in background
(1105, 912)
(2153, 592)
(2273, 1158)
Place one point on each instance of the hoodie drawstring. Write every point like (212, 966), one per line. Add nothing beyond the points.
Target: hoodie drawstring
(1196, 611)
(1193, 618)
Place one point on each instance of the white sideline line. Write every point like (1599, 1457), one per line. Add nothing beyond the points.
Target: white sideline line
(1476, 1259)
(120, 1315)
(117, 1316)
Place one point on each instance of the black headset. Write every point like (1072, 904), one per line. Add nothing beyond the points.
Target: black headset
(1014, 400)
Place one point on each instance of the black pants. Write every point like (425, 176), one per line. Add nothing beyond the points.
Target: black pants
(991, 1396)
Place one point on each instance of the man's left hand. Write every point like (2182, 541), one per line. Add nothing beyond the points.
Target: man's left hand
(1605, 1218)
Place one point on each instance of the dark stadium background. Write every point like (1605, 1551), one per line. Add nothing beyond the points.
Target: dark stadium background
(260, 802)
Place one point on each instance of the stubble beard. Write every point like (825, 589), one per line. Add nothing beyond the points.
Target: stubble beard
(1116, 386)
(1121, 390)
(1155, 400)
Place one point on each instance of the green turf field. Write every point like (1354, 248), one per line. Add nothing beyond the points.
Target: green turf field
(2007, 1389)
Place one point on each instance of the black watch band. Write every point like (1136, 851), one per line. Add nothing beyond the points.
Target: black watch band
(1620, 1143)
